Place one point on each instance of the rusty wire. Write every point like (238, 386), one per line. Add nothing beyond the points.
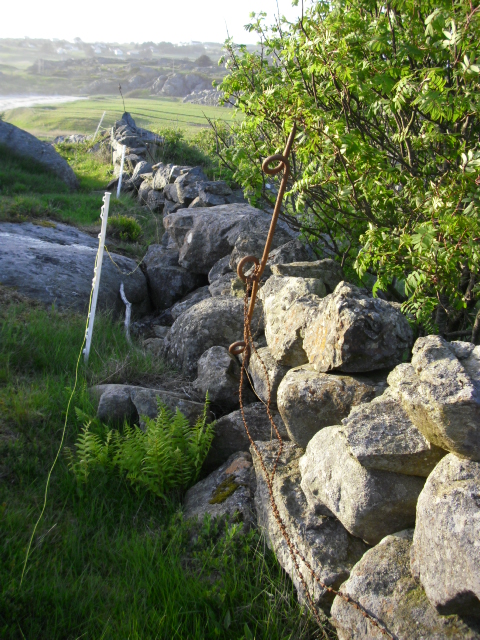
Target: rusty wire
(247, 347)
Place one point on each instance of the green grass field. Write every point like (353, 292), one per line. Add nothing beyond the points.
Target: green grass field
(83, 116)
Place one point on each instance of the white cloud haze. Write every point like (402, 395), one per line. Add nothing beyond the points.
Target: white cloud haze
(127, 21)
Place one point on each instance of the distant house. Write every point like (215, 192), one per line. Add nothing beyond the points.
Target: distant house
(61, 51)
(133, 53)
(118, 52)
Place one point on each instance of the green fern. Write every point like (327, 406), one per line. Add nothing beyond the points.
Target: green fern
(169, 454)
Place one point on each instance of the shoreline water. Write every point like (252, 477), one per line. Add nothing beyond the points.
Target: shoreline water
(16, 102)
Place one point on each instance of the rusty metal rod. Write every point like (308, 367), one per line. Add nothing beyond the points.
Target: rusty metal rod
(239, 347)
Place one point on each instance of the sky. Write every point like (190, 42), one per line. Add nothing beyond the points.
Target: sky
(127, 21)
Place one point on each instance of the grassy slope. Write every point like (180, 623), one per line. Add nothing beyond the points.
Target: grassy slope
(83, 116)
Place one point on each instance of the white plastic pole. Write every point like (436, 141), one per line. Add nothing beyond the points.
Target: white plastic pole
(99, 125)
(121, 173)
(128, 312)
(96, 275)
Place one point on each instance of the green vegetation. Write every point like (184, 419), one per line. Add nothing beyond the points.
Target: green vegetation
(49, 121)
(107, 561)
(386, 163)
(168, 455)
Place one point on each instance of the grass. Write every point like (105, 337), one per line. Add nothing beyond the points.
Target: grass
(83, 116)
(108, 562)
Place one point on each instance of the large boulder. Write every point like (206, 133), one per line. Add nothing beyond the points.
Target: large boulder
(289, 305)
(204, 235)
(212, 322)
(231, 436)
(190, 300)
(266, 374)
(219, 375)
(118, 403)
(440, 392)
(21, 143)
(381, 583)
(219, 269)
(309, 401)
(446, 548)
(320, 538)
(370, 504)
(55, 266)
(381, 436)
(354, 332)
(226, 492)
(168, 282)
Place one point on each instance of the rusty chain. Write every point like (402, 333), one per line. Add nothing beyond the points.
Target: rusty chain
(247, 348)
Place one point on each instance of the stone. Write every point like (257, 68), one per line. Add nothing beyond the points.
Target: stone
(219, 269)
(187, 185)
(446, 550)
(155, 201)
(370, 504)
(154, 345)
(381, 436)
(143, 191)
(172, 207)
(205, 235)
(118, 402)
(328, 271)
(381, 583)
(309, 401)
(230, 434)
(162, 176)
(219, 375)
(321, 539)
(190, 300)
(251, 239)
(354, 332)
(226, 493)
(274, 374)
(289, 304)
(212, 322)
(222, 286)
(168, 281)
(440, 392)
(21, 143)
(205, 199)
(55, 266)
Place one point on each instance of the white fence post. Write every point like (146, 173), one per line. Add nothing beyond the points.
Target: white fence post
(119, 188)
(99, 125)
(96, 275)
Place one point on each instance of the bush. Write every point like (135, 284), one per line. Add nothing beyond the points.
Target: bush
(386, 162)
(126, 227)
(167, 455)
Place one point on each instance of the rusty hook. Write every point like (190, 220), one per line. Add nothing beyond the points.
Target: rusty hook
(283, 165)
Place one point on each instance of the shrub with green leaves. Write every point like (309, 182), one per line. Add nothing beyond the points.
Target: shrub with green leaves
(126, 227)
(168, 455)
(386, 161)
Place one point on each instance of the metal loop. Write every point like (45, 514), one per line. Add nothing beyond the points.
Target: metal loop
(242, 263)
(283, 164)
(237, 348)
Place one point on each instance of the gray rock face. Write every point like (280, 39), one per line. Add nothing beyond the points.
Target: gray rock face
(381, 583)
(219, 374)
(309, 401)
(190, 300)
(230, 434)
(328, 271)
(440, 392)
(213, 322)
(168, 281)
(446, 550)
(265, 371)
(143, 191)
(252, 237)
(222, 286)
(323, 542)
(162, 176)
(119, 402)
(205, 235)
(155, 201)
(55, 266)
(227, 492)
(354, 332)
(219, 269)
(289, 305)
(381, 436)
(22, 143)
(370, 504)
